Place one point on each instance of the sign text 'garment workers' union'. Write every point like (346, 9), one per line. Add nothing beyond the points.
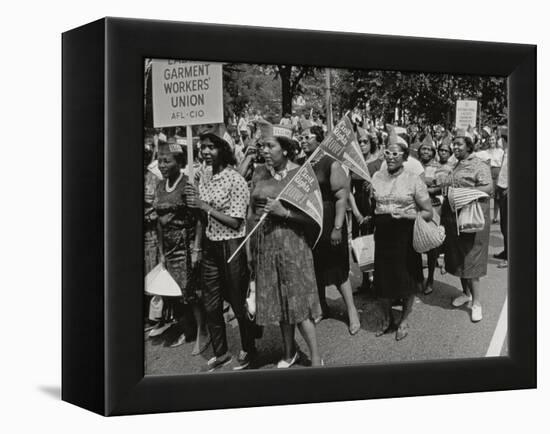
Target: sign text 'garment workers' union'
(186, 93)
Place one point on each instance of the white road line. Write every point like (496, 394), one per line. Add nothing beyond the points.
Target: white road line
(497, 341)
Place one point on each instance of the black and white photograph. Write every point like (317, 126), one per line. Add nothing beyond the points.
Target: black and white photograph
(300, 216)
(275, 217)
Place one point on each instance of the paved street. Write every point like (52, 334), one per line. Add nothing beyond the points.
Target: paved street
(437, 330)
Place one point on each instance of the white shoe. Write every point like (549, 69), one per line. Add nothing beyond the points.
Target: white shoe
(157, 331)
(283, 364)
(476, 313)
(463, 299)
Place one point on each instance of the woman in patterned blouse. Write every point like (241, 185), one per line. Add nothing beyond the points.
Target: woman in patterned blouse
(466, 254)
(223, 200)
(399, 196)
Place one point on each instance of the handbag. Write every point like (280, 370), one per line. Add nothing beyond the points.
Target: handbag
(155, 308)
(471, 218)
(250, 302)
(363, 252)
(427, 235)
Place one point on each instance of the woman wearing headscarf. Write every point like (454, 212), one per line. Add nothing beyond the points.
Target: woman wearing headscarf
(466, 254)
(331, 254)
(280, 256)
(179, 238)
(399, 196)
(426, 155)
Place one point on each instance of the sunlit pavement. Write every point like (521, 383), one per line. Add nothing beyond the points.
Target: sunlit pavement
(437, 329)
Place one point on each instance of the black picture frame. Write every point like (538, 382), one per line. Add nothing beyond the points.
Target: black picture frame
(102, 341)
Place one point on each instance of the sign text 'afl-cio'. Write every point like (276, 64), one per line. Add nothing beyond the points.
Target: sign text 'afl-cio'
(186, 93)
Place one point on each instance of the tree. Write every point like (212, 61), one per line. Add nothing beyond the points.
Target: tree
(423, 97)
(291, 77)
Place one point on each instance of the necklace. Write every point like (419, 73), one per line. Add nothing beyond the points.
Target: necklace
(280, 174)
(171, 189)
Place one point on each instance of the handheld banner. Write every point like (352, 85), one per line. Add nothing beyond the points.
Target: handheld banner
(304, 193)
(341, 144)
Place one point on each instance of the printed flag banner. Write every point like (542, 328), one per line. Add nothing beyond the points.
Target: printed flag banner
(460, 197)
(341, 144)
(304, 193)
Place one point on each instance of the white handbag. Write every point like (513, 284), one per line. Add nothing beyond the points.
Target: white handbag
(251, 300)
(471, 218)
(363, 251)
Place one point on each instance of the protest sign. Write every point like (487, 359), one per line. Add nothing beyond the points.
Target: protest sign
(466, 114)
(304, 193)
(186, 93)
(341, 144)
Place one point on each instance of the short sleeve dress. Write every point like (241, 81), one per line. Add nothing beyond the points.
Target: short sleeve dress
(178, 232)
(286, 289)
(331, 262)
(397, 266)
(466, 254)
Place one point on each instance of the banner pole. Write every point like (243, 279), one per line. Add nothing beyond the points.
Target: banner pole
(263, 217)
(189, 143)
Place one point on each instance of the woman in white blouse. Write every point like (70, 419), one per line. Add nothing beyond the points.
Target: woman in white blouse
(399, 196)
(496, 155)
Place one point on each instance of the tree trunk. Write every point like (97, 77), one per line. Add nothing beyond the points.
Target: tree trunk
(284, 72)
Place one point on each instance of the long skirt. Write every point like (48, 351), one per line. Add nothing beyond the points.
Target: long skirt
(397, 267)
(151, 250)
(466, 254)
(286, 289)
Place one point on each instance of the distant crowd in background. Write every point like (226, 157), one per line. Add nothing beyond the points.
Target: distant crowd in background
(193, 226)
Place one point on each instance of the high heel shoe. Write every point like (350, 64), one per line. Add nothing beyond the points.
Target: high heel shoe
(402, 332)
(389, 329)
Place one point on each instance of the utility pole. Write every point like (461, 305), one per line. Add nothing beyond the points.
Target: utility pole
(328, 100)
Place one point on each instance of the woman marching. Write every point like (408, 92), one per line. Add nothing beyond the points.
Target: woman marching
(466, 254)
(223, 200)
(331, 254)
(426, 155)
(496, 156)
(399, 196)
(280, 256)
(179, 238)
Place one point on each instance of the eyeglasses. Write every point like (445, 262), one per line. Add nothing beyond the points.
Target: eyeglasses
(389, 154)
(363, 141)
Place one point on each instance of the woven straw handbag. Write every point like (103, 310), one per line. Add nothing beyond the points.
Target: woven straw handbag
(427, 235)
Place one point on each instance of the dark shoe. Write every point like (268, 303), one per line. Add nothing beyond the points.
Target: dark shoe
(503, 264)
(389, 329)
(428, 288)
(201, 344)
(244, 360)
(501, 255)
(219, 362)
